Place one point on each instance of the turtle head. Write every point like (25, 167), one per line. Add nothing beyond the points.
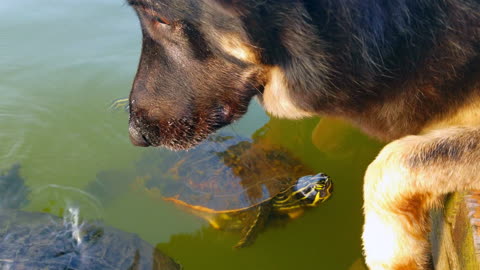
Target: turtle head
(313, 189)
(308, 191)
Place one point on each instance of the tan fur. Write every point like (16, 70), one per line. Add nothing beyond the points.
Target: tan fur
(406, 180)
(235, 47)
(276, 99)
(467, 114)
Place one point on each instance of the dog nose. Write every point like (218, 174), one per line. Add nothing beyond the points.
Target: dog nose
(136, 137)
(224, 116)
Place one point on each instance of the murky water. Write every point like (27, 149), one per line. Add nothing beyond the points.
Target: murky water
(63, 62)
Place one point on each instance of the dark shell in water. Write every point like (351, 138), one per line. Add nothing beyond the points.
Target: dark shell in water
(43, 241)
(225, 173)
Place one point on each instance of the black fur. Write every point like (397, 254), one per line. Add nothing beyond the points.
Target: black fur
(340, 57)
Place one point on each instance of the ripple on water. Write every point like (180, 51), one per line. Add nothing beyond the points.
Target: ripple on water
(73, 204)
(20, 114)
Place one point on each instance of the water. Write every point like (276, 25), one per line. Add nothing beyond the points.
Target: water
(61, 65)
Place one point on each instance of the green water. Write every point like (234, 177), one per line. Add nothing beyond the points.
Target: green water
(63, 62)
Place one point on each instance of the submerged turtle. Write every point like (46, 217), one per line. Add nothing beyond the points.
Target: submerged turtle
(235, 183)
(42, 241)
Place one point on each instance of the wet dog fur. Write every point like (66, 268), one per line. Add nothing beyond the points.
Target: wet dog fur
(404, 71)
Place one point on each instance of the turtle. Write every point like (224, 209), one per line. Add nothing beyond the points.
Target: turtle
(35, 240)
(235, 183)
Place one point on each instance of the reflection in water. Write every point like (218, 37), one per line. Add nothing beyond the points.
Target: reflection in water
(339, 140)
(111, 184)
(42, 241)
(12, 188)
(331, 136)
(71, 219)
(359, 264)
(31, 240)
(233, 183)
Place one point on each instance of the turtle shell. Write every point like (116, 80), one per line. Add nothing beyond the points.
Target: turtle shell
(226, 173)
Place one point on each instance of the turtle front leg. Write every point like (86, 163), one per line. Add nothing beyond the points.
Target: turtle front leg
(255, 223)
(407, 179)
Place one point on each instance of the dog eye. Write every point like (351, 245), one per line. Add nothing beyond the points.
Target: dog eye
(162, 20)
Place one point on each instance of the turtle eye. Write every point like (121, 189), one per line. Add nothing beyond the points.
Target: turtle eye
(320, 186)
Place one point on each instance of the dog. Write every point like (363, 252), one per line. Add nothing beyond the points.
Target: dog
(404, 71)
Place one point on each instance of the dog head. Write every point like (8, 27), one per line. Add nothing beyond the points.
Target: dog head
(201, 64)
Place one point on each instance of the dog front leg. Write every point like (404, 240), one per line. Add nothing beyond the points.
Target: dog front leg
(405, 181)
